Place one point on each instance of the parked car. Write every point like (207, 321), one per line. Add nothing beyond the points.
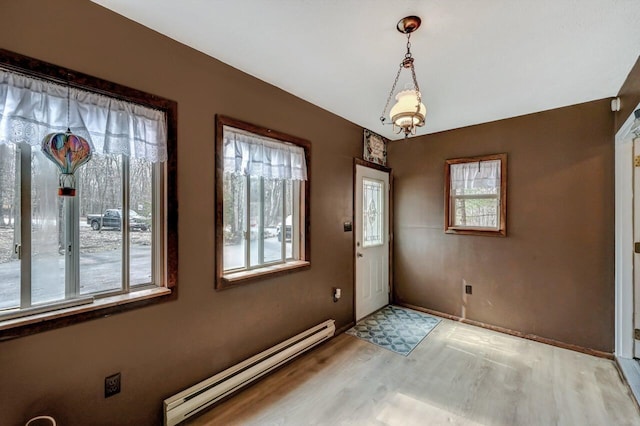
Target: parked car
(287, 231)
(112, 218)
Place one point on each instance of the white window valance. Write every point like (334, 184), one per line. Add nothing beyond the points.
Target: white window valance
(479, 174)
(31, 108)
(250, 154)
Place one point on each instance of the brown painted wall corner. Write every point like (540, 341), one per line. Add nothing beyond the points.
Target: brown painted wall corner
(553, 275)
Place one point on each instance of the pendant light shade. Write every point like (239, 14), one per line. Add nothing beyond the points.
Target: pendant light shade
(408, 112)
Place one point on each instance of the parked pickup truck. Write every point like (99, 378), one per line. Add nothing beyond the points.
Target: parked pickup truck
(112, 218)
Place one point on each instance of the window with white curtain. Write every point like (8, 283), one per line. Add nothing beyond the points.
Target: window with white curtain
(108, 244)
(262, 184)
(476, 195)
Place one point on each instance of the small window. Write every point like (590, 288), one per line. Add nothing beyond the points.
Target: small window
(262, 202)
(476, 195)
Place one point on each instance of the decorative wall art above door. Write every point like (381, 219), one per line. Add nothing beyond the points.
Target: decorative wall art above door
(375, 148)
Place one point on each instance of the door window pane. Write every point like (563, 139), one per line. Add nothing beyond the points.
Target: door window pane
(9, 226)
(234, 218)
(47, 232)
(140, 201)
(372, 212)
(100, 224)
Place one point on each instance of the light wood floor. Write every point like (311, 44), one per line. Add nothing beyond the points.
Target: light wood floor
(458, 375)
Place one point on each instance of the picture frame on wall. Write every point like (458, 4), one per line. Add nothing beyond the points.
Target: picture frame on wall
(375, 148)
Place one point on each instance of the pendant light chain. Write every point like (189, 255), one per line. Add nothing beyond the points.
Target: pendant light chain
(407, 57)
(393, 89)
(407, 62)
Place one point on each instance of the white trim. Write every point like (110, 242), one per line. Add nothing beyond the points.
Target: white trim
(624, 242)
(630, 369)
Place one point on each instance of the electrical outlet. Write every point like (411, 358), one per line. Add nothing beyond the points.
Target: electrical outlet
(111, 385)
(337, 293)
(468, 289)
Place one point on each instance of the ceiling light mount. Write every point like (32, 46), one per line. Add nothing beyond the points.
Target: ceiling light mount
(409, 24)
(409, 112)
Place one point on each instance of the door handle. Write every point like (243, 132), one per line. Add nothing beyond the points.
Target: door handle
(359, 254)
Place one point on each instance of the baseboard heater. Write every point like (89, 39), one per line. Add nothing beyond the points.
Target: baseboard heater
(206, 393)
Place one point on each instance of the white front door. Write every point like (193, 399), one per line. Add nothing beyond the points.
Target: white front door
(372, 240)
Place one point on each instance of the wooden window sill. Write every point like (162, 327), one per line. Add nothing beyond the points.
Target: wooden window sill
(100, 307)
(234, 278)
(476, 231)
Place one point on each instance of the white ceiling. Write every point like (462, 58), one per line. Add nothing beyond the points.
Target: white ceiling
(476, 61)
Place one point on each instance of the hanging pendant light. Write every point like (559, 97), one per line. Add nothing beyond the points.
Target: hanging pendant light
(409, 112)
(68, 152)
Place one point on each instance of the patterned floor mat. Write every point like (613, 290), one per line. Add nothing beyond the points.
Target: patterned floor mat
(395, 328)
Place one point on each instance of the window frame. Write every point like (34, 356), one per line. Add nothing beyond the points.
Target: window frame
(230, 279)
(168, 214)
(449, 209)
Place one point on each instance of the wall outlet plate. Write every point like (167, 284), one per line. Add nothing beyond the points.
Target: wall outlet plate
(112, 385)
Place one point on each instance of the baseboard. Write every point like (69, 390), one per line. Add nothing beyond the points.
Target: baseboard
(344, 328)
(533, 337)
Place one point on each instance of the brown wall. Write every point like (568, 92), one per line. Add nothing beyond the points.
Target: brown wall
(629, 95)
(164, 348)
(553, 275)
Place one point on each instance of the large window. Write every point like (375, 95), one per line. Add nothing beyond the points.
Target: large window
(114, 242)
(476, 195)
(262, 203)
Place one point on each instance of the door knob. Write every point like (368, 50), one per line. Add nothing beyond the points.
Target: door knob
(359, 254)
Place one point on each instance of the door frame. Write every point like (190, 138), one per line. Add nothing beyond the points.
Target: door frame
(624, 286)
(364, 163)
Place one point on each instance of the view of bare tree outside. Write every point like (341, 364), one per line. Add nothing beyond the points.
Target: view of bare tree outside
(272, 207)
(234, 218)
(99, 184)
(141, 202)
(268, 200)
(476, 207)
(288, 214)
(255, 205)
(9, 221)
(99, 190)
(47, 231)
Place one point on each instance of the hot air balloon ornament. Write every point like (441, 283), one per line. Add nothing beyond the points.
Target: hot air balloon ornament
(68, 152)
